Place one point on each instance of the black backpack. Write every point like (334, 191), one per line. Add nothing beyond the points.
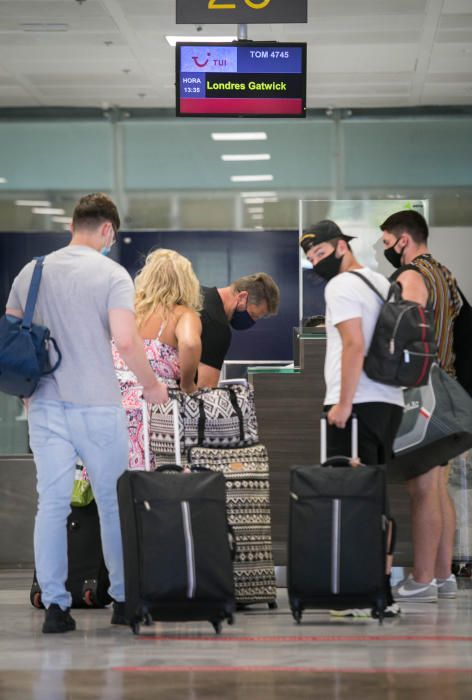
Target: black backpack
(403, 345)
(462, 345)
(462, 336)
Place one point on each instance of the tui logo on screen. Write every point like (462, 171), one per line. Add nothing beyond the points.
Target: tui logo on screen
(197, 62)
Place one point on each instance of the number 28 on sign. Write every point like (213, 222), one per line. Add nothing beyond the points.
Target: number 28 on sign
(253, 4)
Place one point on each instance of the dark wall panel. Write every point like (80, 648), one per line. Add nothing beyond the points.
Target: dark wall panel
(218, 257)
(16, 249)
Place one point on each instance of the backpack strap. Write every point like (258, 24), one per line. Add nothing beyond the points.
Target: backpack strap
(464, 300)
(33, 293)
(367, 282)
(395, 275)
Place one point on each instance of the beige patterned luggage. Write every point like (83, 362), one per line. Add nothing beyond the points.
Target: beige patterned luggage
(248, 505)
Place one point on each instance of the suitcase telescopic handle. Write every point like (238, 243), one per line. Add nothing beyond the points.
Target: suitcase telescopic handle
(338, 460)
(147, 455)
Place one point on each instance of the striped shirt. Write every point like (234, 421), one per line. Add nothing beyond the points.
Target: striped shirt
(446, 302)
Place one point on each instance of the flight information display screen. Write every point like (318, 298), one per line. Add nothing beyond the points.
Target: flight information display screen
(241, 80)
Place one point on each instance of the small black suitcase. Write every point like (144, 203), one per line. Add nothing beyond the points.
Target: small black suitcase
(176, 548)
(87, 579)
(337, 535)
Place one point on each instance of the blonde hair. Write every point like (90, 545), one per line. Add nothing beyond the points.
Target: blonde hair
(166, 280)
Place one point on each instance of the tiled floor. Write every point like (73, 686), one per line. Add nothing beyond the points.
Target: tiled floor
(424, 655)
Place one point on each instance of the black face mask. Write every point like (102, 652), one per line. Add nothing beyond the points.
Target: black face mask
(393, 257)
(242, 320)
(329, 267)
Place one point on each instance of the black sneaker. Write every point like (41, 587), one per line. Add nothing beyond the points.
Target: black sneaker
(57, 620)
(118, 616)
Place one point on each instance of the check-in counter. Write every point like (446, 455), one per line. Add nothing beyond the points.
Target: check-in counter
(289, 402)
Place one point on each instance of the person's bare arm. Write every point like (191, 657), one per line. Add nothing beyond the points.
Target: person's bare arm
(352, 360)
(14, 312)
(130, 346)
(413, 287)
(188, 331)
(208, 376)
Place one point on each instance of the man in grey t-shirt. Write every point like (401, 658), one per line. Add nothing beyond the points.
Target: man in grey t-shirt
(84, 299)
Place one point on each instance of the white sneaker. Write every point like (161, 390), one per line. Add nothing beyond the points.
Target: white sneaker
(411, 590)
(447, 587)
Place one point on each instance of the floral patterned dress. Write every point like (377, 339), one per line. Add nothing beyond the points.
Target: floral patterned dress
(164, 361)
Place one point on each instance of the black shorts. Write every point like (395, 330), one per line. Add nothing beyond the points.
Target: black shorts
(378, 424)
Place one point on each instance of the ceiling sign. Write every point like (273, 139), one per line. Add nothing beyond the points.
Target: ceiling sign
(240, 11)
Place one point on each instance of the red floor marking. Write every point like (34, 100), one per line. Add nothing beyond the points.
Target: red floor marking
(316, 638)
(278, 669)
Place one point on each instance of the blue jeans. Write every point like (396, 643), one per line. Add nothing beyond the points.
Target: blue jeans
(59, 433)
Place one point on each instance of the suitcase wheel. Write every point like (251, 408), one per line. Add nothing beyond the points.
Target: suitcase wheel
(462, 570)
(35, 598)
(217, 626)
(89, 598)
(90, 593)
(273, 605)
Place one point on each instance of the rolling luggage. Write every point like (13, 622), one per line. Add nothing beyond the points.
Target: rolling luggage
(337, 535)
(176, 548)
(87, 579)
(246, 471)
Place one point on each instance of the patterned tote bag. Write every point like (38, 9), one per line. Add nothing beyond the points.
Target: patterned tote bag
(223, 417)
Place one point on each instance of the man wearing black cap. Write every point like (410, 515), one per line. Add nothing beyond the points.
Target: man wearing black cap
(352, 310)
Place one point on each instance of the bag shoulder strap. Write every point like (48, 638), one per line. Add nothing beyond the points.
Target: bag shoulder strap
(367, 282)
(33, 293)
(462, 296)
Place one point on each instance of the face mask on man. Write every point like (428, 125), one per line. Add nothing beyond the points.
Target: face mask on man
(393, 257)
(329, 267)
(242, 321)
(106, 249)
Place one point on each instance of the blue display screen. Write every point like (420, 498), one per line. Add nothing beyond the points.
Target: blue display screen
(241, 80)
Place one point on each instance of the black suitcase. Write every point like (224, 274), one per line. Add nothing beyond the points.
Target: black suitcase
(176, 548)
(87, 579)
(337, 535)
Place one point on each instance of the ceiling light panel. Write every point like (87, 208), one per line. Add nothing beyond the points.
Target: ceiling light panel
(257, 194)
(252, 178)
(32, 203)
(239, 136)
(172, 40)
(47, 210)
(230, 157)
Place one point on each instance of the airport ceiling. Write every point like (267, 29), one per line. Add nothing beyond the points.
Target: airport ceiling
(361, 53)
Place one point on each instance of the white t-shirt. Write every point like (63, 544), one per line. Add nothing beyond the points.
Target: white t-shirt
(348, 297)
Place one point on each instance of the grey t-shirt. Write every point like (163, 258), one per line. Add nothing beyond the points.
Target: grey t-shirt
(78, 288)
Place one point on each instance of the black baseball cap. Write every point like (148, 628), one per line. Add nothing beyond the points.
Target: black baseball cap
(321, 232)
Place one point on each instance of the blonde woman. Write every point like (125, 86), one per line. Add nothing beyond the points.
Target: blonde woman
(167, 303)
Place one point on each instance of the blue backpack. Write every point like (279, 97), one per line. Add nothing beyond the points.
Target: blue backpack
(24, 346)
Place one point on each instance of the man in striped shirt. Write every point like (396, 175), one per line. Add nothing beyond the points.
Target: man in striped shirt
(423, 279)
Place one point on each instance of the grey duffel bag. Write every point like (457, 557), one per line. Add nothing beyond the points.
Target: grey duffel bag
(436, 425)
